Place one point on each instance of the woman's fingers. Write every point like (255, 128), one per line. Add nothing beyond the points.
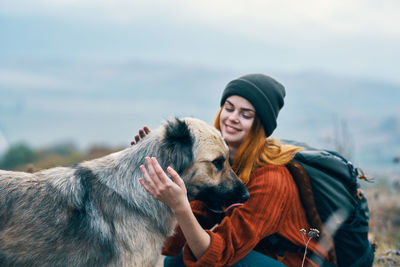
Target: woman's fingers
(157, 180)
(137, 138)
(147, 188)
(175, 176)
(146, 129)
(151, 165)
(142, 134)
(160, 172)
(147, 178)
(157, 183)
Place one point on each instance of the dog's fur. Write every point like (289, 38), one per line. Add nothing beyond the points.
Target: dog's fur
(97, 214)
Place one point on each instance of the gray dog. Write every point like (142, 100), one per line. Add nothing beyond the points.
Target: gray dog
(97, 214)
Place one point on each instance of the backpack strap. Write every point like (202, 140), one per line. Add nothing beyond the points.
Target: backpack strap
(304, 186)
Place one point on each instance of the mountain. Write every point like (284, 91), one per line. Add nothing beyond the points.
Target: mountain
(44, 102)
(323, 108)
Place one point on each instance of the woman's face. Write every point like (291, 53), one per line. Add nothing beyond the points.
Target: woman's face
(236, 119)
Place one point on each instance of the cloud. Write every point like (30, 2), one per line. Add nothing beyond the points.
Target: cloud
(355, 37)
(302, 22)
(332, 16)
(18, 79)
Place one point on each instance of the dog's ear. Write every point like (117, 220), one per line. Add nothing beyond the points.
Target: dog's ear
(177, 145)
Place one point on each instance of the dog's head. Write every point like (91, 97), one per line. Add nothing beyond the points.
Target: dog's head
(199, 154)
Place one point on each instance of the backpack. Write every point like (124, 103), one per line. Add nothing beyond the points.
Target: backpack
(334, 204)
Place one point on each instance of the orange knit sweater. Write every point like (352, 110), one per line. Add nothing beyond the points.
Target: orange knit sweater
(273, 207)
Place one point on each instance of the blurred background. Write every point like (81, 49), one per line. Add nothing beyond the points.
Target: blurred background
(78, 78)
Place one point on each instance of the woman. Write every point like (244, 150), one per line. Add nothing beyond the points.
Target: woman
(249, 109)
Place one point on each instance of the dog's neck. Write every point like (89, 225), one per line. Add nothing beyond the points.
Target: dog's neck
(120, 173)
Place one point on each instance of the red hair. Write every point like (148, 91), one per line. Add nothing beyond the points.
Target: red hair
(257, 151)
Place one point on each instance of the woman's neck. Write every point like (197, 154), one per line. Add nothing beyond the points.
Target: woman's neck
(232, 154)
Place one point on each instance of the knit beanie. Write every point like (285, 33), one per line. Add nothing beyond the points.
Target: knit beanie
(263, 92)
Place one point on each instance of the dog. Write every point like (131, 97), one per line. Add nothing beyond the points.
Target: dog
(96, 213)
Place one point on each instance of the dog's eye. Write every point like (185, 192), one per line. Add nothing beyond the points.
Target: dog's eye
(218, 163)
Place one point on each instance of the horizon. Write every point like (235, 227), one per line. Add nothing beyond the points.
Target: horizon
(95, 71)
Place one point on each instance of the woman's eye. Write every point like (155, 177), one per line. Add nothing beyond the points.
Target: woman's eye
(247, 116)
(229, 109)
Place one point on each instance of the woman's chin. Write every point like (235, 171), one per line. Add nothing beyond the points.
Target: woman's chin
(232, 142)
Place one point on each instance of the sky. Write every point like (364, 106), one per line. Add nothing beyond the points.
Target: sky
(53, 50)
(355, 37)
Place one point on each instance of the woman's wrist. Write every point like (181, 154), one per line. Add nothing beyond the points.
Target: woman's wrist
(183, 209)
(197, 238)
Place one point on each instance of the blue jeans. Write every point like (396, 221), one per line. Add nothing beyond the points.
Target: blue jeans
(253, 259)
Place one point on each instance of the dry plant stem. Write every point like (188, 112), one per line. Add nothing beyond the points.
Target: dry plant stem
(304, 240)
(311, 234)
(305, 251)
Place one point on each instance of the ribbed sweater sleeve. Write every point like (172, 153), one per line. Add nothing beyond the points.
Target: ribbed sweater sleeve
(207, 219)
(270, 194)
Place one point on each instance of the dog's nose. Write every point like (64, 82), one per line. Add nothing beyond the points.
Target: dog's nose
(245, 195)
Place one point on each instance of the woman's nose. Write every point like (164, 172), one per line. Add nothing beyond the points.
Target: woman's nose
(234, 116)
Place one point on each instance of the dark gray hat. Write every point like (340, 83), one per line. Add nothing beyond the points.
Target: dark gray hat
(263, 92)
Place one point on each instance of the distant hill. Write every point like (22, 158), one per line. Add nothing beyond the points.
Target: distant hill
(319, 105)
(106, 102)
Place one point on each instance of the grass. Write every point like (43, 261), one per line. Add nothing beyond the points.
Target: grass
(384, 205)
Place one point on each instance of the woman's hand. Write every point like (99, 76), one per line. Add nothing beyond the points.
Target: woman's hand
(171, 192)
(142, 133)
